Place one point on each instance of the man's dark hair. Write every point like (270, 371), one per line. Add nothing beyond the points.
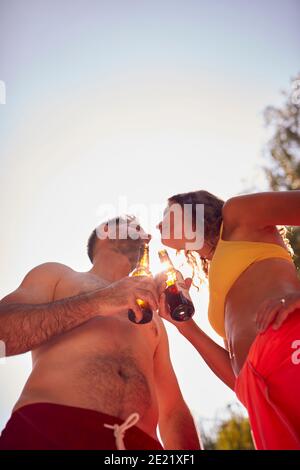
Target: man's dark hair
(91, 244)
(93, 237)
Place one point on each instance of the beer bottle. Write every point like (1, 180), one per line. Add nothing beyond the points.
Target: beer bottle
(177, 295)
(142, 269)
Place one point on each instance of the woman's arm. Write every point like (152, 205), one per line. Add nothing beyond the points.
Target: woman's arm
(263, 209)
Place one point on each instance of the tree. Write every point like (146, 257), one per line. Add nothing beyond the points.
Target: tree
(283, 150)
(232, 433)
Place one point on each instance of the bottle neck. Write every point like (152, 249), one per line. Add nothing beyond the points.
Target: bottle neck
(143, 262)
(165, 260)
(168, 267)
(142, 267)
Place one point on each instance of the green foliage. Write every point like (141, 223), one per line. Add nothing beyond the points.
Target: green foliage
(232, 433)
(283, 151)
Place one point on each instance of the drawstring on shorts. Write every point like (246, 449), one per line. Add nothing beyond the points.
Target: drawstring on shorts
(120, 429)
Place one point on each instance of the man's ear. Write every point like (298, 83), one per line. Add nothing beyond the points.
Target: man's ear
(188, 282)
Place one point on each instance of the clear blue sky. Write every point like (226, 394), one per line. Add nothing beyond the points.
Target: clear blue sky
(139, 99)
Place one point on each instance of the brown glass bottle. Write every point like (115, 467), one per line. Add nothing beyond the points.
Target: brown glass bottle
(142, 269)
(177, 294)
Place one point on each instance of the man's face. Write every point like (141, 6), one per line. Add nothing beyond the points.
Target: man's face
(130, 246)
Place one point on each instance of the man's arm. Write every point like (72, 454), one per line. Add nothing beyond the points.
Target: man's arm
(29, 317)
(176, 424)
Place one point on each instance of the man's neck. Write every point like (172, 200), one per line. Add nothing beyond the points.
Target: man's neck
(111, 269)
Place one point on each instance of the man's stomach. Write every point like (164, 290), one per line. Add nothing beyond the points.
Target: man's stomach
(96, 367)
(267, 279)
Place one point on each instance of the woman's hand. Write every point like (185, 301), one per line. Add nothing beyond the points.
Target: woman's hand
(276, 311)
(164, 311)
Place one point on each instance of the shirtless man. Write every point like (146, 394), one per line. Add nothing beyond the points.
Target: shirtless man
(98, 380)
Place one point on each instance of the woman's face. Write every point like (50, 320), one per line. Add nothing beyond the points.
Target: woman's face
(175, 235)
(171, 228)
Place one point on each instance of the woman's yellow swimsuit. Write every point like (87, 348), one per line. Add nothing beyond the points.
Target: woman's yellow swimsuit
(230, 259)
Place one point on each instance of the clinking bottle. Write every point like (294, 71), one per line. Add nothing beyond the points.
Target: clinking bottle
(142, 269)
(177, 294)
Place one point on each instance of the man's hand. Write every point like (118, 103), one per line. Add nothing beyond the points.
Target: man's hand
(122, 295)
(276, 311)
(164, 311)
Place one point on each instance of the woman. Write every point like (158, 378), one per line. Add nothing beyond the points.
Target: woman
(253, 290)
